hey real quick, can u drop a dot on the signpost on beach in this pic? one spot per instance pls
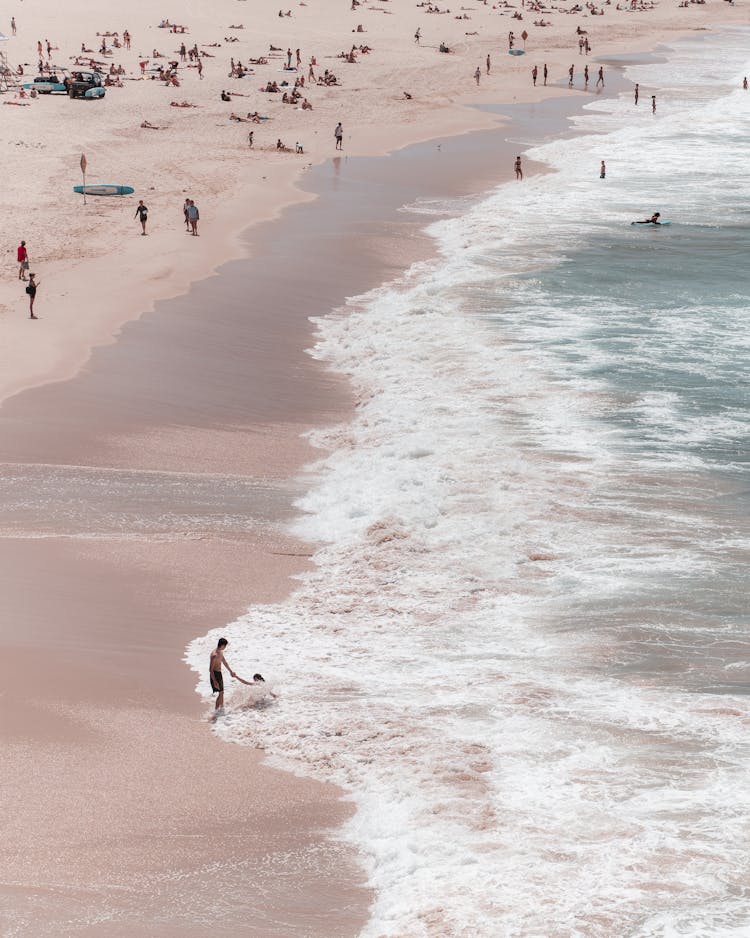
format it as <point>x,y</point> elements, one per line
<point>83,172</point>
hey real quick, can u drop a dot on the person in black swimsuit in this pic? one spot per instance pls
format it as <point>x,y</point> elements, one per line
<point>141,213</point>
<point>31,291</point>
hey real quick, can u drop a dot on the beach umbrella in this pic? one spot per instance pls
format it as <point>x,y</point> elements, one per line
<point>524,36</point>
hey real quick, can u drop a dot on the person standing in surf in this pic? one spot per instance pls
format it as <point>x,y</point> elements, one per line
<point>603,171</point>
<point>517,168</point>
<point>215,664</point>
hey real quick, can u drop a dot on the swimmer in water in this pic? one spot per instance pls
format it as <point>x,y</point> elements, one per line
<point>654,220</point>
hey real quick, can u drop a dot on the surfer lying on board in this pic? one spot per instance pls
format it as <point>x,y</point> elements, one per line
<point>654,220</point>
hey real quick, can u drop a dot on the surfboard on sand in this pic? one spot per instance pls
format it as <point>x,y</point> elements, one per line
<point>104,189</point>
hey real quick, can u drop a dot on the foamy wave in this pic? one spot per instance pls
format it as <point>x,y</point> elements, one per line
<point>489,655</point>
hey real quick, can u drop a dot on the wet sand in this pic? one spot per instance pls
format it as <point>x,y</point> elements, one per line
<point>144,504</point>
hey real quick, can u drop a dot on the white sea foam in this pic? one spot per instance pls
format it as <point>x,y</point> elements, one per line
<point>483,656</point>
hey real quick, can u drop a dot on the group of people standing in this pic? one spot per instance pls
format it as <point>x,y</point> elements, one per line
<point>32,284</point>
<point>189,211</point>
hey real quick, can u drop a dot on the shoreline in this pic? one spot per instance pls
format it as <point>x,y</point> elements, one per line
<point>329,642</point>
<point>167,272</point>
<point>100,457</point>
<point>165,456</point>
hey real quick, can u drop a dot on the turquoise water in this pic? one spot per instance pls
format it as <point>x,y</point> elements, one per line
<point>524,648</point>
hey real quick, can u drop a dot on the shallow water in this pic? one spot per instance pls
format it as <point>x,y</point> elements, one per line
<point>524,646</point>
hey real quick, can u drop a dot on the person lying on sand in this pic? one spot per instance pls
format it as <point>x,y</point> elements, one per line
<point>147,125</point>
<point>236,117</point>
<point>182,104</point>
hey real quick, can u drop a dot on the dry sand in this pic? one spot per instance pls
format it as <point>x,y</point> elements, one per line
<point>144,500</point>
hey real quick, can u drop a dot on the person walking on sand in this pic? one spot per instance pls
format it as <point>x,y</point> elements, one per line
<point>488,63</point>
<point>200,69</point>
<point>13,25</point>
<point>517,168</point>
<point>185,207</point>
<point>339,135</point>
<point>600,79</point>
<point>603,171</point>
<point>477,75</point>
<point>417,35</point>
<point>141,213</point>
<point>31,291</point>
<point>534,73</point>
<point>193,217</point>
<point>636,93</point>
<point>544,73</point>
<point>744,83</point>
<point>23,260</point>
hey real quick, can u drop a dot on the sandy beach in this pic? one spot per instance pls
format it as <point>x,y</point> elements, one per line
<point>152,418</point>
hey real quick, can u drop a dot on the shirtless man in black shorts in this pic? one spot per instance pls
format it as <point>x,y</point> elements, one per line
<point>216,660</point>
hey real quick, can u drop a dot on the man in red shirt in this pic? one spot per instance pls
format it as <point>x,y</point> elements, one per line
<point>23,261</point>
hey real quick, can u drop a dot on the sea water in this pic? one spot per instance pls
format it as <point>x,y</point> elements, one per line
<point>523,651</point>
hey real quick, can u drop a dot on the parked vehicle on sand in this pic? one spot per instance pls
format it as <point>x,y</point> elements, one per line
<point>85,85</point>
<point>48,84</point>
